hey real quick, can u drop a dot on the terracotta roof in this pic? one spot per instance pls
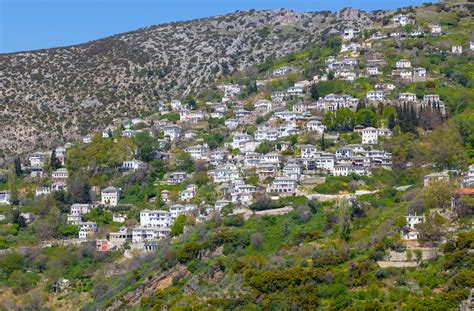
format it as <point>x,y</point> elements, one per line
<point>465,191</point>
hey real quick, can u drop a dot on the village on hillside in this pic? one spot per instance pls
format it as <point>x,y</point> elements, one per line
<point>264,142</point>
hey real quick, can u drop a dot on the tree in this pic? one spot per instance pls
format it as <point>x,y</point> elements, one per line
<point>146,146</point>
<point>264,147</point>
<point>366,117</point>
<point>329,120</point>
<point>54,161</point>
<point>262,203</point>
<point>177,227</point>
<point>79,188</point>
<point>184,162</point>
<point>314,92</point>
<point>192,104</point>
<point>438,193</point>
<point>432,230</point>
<point>18,219</point>
<point>322,143</point>
<point>214,140</point>
<point>346,231</point>
<point>446,147</point>
<point>215,122</point>
<point>17,164</point>
<point>345,119</point>
<point>391,121</point>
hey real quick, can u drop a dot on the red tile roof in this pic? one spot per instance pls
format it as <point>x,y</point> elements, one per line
<point>465,191</point>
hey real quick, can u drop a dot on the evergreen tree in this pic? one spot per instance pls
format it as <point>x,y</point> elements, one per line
<point>360,105</point>
<point>54,161</point>
<point>252,88</point>
<point>18,170</point>
<point>367,121</point>
<point>18,219</point>
<point>322,143</point>
<point>314,92</point>
<point>391,122</point>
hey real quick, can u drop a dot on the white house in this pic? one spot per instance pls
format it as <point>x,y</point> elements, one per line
<point>172,132</point>
<point>134,165</point>
<point>376,95</point>
<point>295,91</point>
<point>37,159</point>
<point>370,135</point>
<point>282,185</point>
<point>293,171</point>
<point>155,218</point>
<point>4,197</point>
<point>315,125</point>
<point>147,234</point>
<point>263,105</point>
<point>178,209</point>
<point>188,193</point>
<point>373,71</point>
<point>456,49</point>
<point>412,232</point>
<point>197,152</point>
<point>401,19</point>
<point>231,123</point>
<point>87,229</point>
<point>221,203</point>
<point>469,179</point>
<point>403,64</point>
<point>176,105</point>
<point>419,72</point>
<point>407,97</point>
<point>87,139</point>
<point>349,150</point>
<point>342,170</point>
<point>74,219</point>
<point>435,29</point>
<point>230,90</point>
<point>308,151</point>
<point>80,209</point>
<point>278,97</point>
<point>282,71</point>
<point>350,33</point>
<point>175,178</point>
<point>110,196</point>
<point>42,191</point>
<point>271,158</point>
<point>120,218</point>
<point>225,174</point>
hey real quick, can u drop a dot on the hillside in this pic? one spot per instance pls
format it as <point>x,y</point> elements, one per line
<point>52,94</point>
<point>328,166</point>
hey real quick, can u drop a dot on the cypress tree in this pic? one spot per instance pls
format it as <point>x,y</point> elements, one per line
<point>391,121</point>
<point>18,170</point>
<point>314,92</point>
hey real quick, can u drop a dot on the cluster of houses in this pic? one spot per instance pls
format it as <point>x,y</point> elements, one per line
<point>233,166</point>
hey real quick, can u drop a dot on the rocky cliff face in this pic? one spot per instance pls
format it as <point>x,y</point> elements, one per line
<point>48,96</point>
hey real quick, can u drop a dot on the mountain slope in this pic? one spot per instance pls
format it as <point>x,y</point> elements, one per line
<point>50,95</point>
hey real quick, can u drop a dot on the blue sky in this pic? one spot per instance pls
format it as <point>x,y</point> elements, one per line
<point>37,24</point>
